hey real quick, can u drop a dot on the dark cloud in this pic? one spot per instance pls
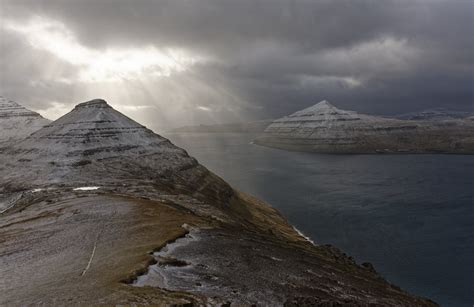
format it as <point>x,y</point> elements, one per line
<point>268,58</point>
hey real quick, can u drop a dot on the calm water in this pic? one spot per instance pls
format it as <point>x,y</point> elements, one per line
<point>411,216</point>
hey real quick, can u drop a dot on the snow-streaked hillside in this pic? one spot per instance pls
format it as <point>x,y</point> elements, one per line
<point>17,122</point>
<point>325,128</point>
<point>95,145</point>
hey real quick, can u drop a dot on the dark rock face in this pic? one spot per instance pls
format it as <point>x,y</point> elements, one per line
<point>17,122</point>
<point>326,129</point>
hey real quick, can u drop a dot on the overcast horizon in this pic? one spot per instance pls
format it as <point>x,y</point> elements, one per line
<point>177,62</point>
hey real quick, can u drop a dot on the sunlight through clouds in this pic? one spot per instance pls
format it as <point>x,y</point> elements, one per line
<point>203,108</point>
<point>109,65</point>
<point>55,110</point>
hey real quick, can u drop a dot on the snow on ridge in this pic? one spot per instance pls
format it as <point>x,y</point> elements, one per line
<point>86,189</point>
<point>318,113</point>
<point>92,132</point>
<point>304,236</point>
<point>10,108</point>
<point>17,122</point>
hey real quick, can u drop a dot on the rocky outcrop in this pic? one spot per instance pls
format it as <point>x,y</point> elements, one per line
<point>17,122</point>
<point>326,129</point>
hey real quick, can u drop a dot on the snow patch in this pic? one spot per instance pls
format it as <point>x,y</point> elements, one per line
<point>304,236</point>
<point>86,189</point>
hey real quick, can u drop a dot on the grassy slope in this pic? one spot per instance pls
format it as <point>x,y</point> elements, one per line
<point>46,247</point>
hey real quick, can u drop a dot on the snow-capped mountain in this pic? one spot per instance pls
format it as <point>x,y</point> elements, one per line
<point>96,145</point>
<point>325,128</point>
<point>17,122</point>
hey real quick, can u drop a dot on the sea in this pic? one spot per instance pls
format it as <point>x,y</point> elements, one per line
<point>411,216</point>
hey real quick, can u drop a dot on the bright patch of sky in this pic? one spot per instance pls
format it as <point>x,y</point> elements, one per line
<point>111,64</point>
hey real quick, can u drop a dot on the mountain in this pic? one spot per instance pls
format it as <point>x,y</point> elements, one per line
<point>326,129</point>
<point>97,209</point>
<point>245,127</point>
<point>93,133</point>
<point>17,122</point>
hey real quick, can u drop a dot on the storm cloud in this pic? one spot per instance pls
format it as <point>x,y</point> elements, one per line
<point>179,62</point>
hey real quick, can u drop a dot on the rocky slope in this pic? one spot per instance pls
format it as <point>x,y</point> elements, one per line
<point>97,209</point>
<point>326,129</point>
<point>17,122</point>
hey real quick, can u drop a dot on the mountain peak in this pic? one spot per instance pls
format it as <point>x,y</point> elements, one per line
<point>17,122</point>
<point>94,124</point>
<point>95,136</point>
<point>96,145</point>
<point>9,108</point>
<point>321,108</point>
<point>94,103</point>
<point>324,104</point>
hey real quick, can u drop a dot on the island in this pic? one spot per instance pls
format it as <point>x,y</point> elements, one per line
<point>323,128</point>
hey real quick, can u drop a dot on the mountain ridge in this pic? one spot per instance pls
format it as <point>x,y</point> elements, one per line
<point>17,122</point>
<point>326,129</point>
<point>94,139</point>
<point>434,114</point>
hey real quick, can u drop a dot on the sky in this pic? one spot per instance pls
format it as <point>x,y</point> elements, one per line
<point>184,62</point>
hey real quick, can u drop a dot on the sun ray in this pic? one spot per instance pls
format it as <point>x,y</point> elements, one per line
<point>111,64</point>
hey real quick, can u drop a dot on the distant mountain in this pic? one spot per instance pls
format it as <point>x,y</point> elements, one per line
<point>96,208</point>
<point>434,114</point>
<point>245,127</point>
<point>327,129</point>
<point>17,122</point>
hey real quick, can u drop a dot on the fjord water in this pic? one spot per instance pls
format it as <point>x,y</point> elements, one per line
<point>411,216</point>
